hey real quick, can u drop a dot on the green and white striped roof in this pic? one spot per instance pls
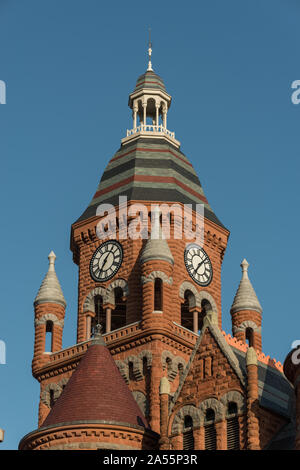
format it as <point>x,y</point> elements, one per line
<point>150,170</point>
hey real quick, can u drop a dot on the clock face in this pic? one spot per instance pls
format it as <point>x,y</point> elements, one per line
<point>198,265</point>
<point>106,261</point>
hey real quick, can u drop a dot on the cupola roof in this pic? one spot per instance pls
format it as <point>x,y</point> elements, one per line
<point>245,297</point>
<point>50,290</point>
<point>156,247</point>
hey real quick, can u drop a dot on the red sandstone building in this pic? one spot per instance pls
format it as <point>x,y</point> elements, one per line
<point>162,374</point>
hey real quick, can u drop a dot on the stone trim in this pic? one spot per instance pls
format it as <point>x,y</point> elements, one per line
<point>198,296</point>
<point>173,365</point>
<point>247,324</point>
<point>49,317</point>
<point>236,397</point>
<point>110,297</point>
<point>157,274</point>
<point>106,293</point>
<point>178,422</point>
<point>45,394</point>
<point>216,406</point>
<point>142,401</point>
<point>89,304</point>
<point>137,362</point>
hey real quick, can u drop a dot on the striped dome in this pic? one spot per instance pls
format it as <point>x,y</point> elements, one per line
<point>150,170</point>
<point>149,79</point>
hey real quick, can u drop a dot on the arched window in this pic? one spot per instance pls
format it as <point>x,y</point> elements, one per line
<point>188,436</point>
<point>118,315</point>
<point>249,336</point>
<point>210,430</point>
<point>99,314</point>
<point>233,428</point>
<point>49,336</point>
<point>158,288</point>
<point>186,315</point>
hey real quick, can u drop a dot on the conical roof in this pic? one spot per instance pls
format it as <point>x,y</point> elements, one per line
<point>245,297</point>
<point>150,170</point>
<point>50,290</point>
<point>96,392</point>
<point>156,247</point>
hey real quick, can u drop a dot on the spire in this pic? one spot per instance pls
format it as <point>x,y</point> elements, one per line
<point>245,298</point>
<point>156,247</point>
<point>96,392</point>
<point>50,290</point>
<point>149,69</point>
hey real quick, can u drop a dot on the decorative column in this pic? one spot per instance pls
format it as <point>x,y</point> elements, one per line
<point>164,391</point>
<point>108,319</point>
<point>144,113</point>
<point>157,115</point>
<point>165,117</point>
<point>135,110</point>
<point>252,401</point>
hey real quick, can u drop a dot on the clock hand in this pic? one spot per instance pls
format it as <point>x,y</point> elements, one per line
<point>200,264</point>
<point>104,262</point>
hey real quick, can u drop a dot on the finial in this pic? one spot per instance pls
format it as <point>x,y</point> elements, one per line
<point>149,69</point>
<point>97,337</point>
<point>245,265</point>
<point>51,258</point>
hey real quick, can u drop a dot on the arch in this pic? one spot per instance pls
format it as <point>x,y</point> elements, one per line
<point>89,304</point>
<point>142,401</point>
<point>49,317</point>
<point>215,405</point>
<point>148,355</point>
<point>109,298</point>
<point>178,421</point>
<point>124,370</point>
<point>188,286</point>
<point>199,295</point>
<point>236,397</point>
<point>137,367</point>
<point>157,274</point>
<point>247,324</point>
<point>172,363</point>
<point>63,382</point>
<point>46,395</point>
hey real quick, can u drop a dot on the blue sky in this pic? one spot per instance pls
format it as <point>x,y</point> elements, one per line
<point>69,67</point>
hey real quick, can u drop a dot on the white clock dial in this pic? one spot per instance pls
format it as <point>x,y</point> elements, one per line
<point>198,265</point>
<point>106,261</point>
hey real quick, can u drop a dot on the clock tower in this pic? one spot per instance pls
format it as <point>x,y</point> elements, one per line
<point>154,291</point>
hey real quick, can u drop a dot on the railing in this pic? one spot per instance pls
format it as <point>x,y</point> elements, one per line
<point>150,128</point>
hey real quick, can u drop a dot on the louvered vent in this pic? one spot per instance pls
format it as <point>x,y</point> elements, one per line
<point>210,437</point>
<point>188,440</point>
<point>233,434</point>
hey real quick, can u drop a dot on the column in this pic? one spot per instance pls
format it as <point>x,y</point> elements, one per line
<point>252,401</point>
<point>88,326</point>
<point>108,320</point>
<point>195,322</point>
<point>157,114</point>
<point>164,391</point>
<point>144,113</point>
<point>135,110</point>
